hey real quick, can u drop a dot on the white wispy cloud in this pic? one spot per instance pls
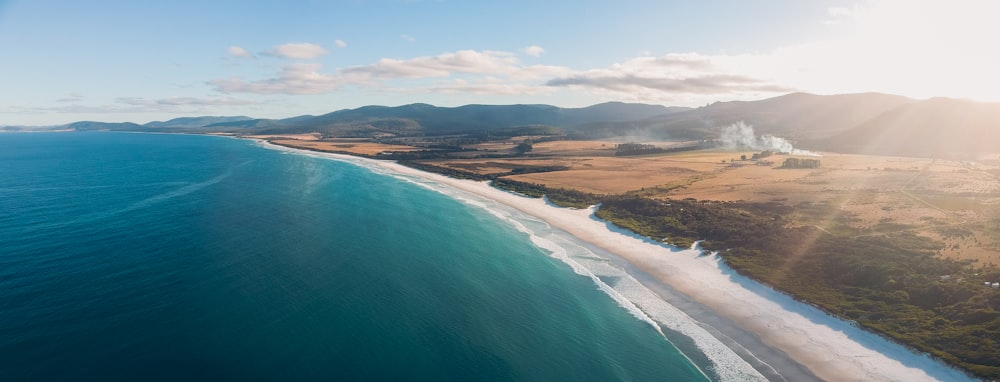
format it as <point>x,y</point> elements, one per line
<point>301,50</point>
<point>237,51</point>
<point>839,11</point>
<point>407,38</point>
<point>294,79</point>
<point>73,97</point>
<point>671,76</point>
<point>172,102</point>
<point>79,109</point>
<point>488,86</point>
<point>443,65</point>
<point>137,105</point>
<point>340,43</point>
<point>480,71</point>
<point>534,51</point>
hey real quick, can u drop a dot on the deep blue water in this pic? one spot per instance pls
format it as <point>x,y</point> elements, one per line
<point>172,257</point>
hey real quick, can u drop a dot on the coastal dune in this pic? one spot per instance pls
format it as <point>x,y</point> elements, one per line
<point>793,332</point>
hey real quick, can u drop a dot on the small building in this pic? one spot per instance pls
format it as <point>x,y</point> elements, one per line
<point>945,277</point>
<point>995,285</point>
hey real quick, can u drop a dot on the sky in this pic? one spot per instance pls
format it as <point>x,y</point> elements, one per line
<point>66,60</point>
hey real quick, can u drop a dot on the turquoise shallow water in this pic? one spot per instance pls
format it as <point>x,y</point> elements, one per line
<point>170,257</point>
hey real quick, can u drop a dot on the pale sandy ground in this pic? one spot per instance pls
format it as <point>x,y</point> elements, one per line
<point>829,348</point>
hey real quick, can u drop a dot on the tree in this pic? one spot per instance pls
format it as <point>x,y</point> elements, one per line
<point>523,147</point>
<point>800,163</point>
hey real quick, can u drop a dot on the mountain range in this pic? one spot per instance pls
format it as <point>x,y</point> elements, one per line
<point>871,123</point>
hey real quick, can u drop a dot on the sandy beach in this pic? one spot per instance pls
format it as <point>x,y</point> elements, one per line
<point>796,340</point>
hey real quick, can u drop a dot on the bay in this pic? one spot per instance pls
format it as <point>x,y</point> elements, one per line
<point>166,257</point>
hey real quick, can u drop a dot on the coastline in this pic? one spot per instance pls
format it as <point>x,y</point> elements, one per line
<point>762,320</point>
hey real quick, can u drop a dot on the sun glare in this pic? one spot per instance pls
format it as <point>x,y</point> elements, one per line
<point>918,49</point>
<point>932,48</point>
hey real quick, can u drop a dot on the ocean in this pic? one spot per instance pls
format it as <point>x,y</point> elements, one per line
<point>177,257</point>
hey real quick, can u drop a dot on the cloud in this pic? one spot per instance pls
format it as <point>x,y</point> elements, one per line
<point>140,105</point>
<point>648,79</point>
<point>491,63</point>
<point>707,84</point>
<point>297,51</point>
<point>839,11</point>
<point>491,86</point>
<point>407,38</point>
<point>485,69</point>
<point>182,101</point>
<point>236,51</point>
<point>78,109</point>
<point>443,65</point>
<point>534,51</point>
<point>687,74</point>
<point>340,43</point>
<point>294,79</point>
<point>73,97</point>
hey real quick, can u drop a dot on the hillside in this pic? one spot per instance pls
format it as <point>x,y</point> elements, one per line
<point>870,123</point>
<point>424,119</point>
<point>193,122</point>
<point>798,116</point>
<point>938,127</point>
<point>102,126</point>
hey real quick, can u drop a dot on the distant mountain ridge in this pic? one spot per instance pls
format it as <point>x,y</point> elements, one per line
<point>937,127</point>
<point>798,116</point>
<point>433,120</point>
<point>872,123</point>
<point>194,122</point>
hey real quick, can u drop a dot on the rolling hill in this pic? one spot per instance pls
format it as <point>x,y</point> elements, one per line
<point>424,119</point>
<point>798,116</point>
<point>871,123</point>
<point>194,122</point>
<point>938,127</point>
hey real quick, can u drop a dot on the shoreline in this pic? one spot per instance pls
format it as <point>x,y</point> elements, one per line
<point>802,341</point>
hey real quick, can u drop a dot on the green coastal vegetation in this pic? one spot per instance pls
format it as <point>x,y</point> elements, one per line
<point>891,284</point>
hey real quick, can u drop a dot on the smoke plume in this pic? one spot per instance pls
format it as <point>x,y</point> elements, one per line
<point>741,136</point>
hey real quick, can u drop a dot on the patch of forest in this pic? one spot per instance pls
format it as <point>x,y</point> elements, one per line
<point>559,196</point>
<point>513,169</point>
